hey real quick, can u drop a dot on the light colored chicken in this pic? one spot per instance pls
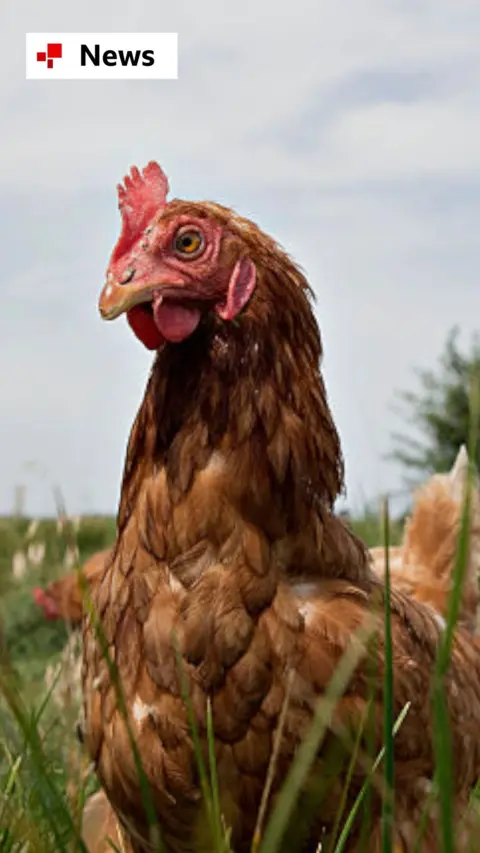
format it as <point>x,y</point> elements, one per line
<point>99,825</point>
<point>423,565</point>
<point>227,545</point>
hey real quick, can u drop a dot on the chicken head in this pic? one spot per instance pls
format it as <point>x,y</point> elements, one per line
<point>174,262</point>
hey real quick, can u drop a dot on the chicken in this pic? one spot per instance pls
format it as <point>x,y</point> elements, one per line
<point>99,825</point>
<point>228,549</point>
<point>423,565</point>
<point>63,599</point>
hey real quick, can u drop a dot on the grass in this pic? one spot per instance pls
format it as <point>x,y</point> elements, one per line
<point>44,777</point>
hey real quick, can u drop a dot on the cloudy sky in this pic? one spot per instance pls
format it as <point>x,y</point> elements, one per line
<point>349,129</point>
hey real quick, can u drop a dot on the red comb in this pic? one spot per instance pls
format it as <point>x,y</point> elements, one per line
<point>38,595</point>
<point>48,605</point>
<point>140,197</point>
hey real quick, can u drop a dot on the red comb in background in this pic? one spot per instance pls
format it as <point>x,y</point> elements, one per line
<point>38,595</point>
<point>50,610</point>
<point>140,197</point>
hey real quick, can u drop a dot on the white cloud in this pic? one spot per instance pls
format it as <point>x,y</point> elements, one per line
<point>301,122</point>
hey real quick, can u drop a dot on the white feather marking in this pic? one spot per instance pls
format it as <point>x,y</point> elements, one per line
<point>216,463</point>
<point>424,785</point>
<point>305,591</point>
<point>141,711</point>
<point>174,584</point>
<point>307,609</point>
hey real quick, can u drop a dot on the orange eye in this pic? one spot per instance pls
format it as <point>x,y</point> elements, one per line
<point>188,242</point>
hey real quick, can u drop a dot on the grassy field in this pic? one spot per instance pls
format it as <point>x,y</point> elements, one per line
<point>40,759</point>
<point>31,641</point>
<point>43,773</point>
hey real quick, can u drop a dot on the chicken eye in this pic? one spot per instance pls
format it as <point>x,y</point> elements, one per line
<point>188,242</point>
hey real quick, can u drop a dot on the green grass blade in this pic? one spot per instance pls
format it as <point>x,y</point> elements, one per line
<point>9,786</point>
<point>366,785</point>
<point>216,808</point>
<point>54,805</point>
<point>442,733</point>
<point>348,779</point>
<point>214,817</point>
<point>388,699</point>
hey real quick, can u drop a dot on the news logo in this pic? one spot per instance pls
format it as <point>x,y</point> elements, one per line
<point>102,56</point>
<point>53,51</point>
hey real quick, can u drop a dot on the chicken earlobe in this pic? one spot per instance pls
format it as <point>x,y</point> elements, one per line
<point>240,288</point>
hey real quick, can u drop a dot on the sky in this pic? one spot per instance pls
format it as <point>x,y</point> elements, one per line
<point>348,129</point>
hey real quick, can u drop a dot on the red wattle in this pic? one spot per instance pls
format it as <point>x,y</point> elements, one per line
<point>143,325</point>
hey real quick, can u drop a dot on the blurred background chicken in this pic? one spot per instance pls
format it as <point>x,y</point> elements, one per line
<point>227,544</point>
<point>424,563</point>
<point>63,598</point>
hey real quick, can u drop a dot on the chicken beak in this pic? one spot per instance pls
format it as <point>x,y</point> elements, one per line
<point>115,299</point>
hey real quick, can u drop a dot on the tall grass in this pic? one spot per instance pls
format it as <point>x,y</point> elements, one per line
<point>388,701</point>
<point>443,779</point>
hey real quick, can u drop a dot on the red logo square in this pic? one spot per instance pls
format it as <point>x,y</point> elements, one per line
<point>54,51</point>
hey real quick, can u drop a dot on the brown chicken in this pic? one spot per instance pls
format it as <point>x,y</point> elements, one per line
<point>423,565</point>
<point>228,547</point>
<point>63,599</point>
